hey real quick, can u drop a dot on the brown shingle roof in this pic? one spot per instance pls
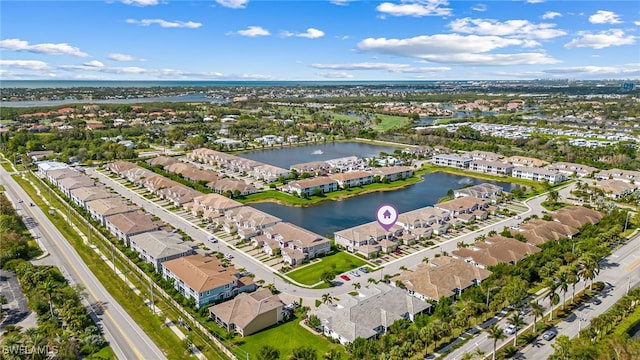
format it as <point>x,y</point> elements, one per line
<point>201,272</point>
<point>577,216</point>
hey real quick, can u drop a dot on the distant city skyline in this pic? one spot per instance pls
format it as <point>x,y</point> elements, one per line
<point>341,40</point>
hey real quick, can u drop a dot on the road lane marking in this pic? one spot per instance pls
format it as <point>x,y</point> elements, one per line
<point>633,264</point>
<point>85,282</point>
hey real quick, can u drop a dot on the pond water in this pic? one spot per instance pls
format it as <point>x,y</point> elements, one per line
<point>287,156</point>
<point>328,217</point>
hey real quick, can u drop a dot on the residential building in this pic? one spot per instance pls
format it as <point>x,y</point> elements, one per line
<point>482,191</point>
<point>538,232</point>
<point>491,167</point>
<point>352,179</point>
<point>295,243</point>
<point>232,186</point>
<point>119,167</point>
<point>525,161</point>
<point>483,155</point>
<point>441,277</point>
<point>246,221</point>
<point>617,174</point>
<point>307,187</point>
<point>577,216</point>
<point>205,279</point>
<point>571,169</point>
<point>162,161</point>
<point>82,195</point>
<point>156,247</point>
<point>495,250</point>
<point>55,175</point>
<point>365,239</point>
<point>100,209</point>
<point>538,174</point>
<point>463,205</point>
<point>249,313</point>
<point>393,173</point>
<point>212,206</point>
<point>315,168</point>
<point>125,225</point>
<point>70,183</point>
<point>616,189</point>
<point>424,222</point>
<point>269,173</point>
<point>451,160</point>
<point>45,166</point>
<point>368,314</point>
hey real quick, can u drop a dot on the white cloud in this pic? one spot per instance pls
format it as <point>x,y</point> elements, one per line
<point>456,49</point>
<point>94,63</point>
<point>390,67</point>
<point>619,71</point>
<point>515,28</point>
<point>122,57</point>
<point>341,2</point>
<point>535,1</point>
<point>416,8</point>
<point>24,64</point>
<point>140,2</point>
<point>253,31</point>
<point>311,33</point>
<point>44,48</point>
<point>605,17</point>
<point>551,15</point>
<point>165,23</point>
<point>601,40</point>
<point>335,75</point>
<point>233,4</point>
<point>636,23</point>
<point>479,7</point>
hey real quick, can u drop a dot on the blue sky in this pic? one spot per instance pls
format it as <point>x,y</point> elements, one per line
<point>319,40</point>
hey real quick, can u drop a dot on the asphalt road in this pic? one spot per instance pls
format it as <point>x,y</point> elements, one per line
<point>126,338</point>
<point>621,269</point>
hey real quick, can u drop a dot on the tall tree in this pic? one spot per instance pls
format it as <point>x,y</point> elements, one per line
<point>517,321</point>
<point>268,352</point>
<point>496,334</point>
<point>537,311</point>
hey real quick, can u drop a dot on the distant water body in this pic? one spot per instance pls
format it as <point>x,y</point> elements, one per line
<point>40,84</point>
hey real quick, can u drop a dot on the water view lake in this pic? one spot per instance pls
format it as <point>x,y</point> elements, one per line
<point>331,216</point>
<point>288,156</point>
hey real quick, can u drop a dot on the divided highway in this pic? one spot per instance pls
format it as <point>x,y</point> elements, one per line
<point>126,338</point>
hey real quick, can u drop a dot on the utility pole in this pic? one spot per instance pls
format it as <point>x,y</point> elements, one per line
<point>113,259</point>
<point>153,305</point>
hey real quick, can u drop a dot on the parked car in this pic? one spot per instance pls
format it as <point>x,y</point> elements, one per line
<point>510,329</point>
<point>518,217</point>
<point>549,334</point>
<point>596,301</point>
<point>397,251</point>
<point>354,273</point>
<point>213,239</point>
<point>344,277</point>
<point>229,256</point>
<point>364,270</point>
<point>19,201</point>
<point>525,310</point>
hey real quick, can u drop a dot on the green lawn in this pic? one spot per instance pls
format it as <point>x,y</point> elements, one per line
<point>338,262</point>
<point>285,338</point>
<point>390,122</point>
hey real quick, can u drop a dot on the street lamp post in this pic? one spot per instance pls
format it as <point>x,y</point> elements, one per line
<point>626,221</point>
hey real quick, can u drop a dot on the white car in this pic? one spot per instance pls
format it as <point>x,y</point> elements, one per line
<point>354,273</point>
<point>510,329</point>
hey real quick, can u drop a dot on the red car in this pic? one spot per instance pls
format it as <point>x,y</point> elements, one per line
<point>398,251</point>
<point>344,277</point>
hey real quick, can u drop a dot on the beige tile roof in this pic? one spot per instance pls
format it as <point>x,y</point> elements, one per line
<point>110,206</point>
<point>422,216</point>
<point>462,203</point>
<point>540,231</point>
<point>216,201</point>
<point>132,223</point>
<point>201,272</point>
<point>495,250</point>
<point>162,161</point>
<point>441,276</point>
<point>390,170</point>
<point>247,214</point>
<point>119,167</point>
<point>577,216</point>
<point>616,187</point>
<point>350,175</point>
<point>89,193</point>
<point>311,182</point>
<point>245,307</point>
<point>291,233</point>
<point>63,173</point>
<point>76,182</point>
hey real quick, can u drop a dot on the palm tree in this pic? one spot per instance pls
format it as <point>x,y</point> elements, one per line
<point>356,286</point>
<point>537,310</point>
<point>552,286</point>
<point>327,298</point>
<point>517,321</point>
<point>496,334</point>
<point>49,289</point>
<point>479,353</point>
<point>552,197</point>
<point>573,278</point>
<point>563,284</point>
<point>589,268</point>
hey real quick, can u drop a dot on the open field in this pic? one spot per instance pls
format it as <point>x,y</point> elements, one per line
<point>339,262</point>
